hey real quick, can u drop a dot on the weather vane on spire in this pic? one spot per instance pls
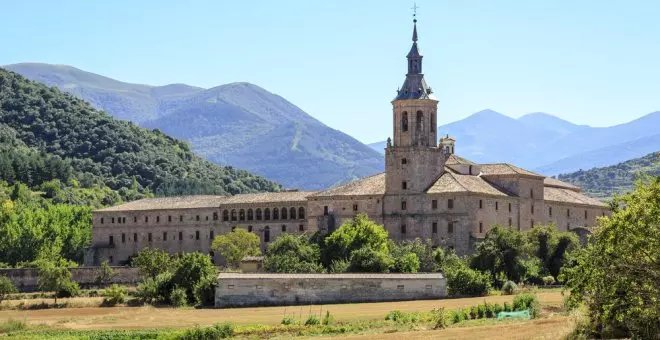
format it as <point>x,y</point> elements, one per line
<point>414,8</point>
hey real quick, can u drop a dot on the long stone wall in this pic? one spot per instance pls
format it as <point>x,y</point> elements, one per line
<point>241,290</point>
<point>26,279</point>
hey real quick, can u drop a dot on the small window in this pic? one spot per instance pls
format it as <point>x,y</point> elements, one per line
<point>180,218</point>
<point>230,286</point>
<point>157,219</point>
<point>404,161</point>
<point>123,238</point>
<point>276,214</point>
<point>434,204</point>
<point>134,219</point>
<point>550,211</point>
<point>266,214</point>
<point>404,185</point>
<point>403,228</point>
<point>258,213</point>
<point>215,216</point>
<point>206,218</point>
<point>146,219</point>
<point>241,215</point>
<point>112,220</point>
<point>481,204</point>
<point>325,210</point>
<point>510,222</point>
<point>355,207</point>
<point>428,287</point>
<point>532,209</point>
<point>165,236</point>
<point>211,234</point>
<point>225,215</point>
<point>249,228</point>
<point>181,236</point>
<point>434,227</point>
<point>403,205</point>
<point>301,228</point>
<point>101,220</point>
<point>111,259</point>
<point>301,213</point>
<point>531,193</point>
<point>197,218</point>
<point>266,234</point>
<point>134,237</point>
<point>169,218</point>
<point>399,287</point>
<point>497,205</point>
<point>585,215</point>
<point>568,212</point>
<point>531,224</point>
<point>283,228</point>
<point>450,227</point>
<point>197,235</point>
<point>404,121</point>
<point>509,207</point>
<point>111,240</point>
<point>150,237</point>
<point>481,227</point>
<point>450,203</point>
<point>250,215</point>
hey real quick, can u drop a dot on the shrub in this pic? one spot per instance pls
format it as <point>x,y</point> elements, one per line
<point>497,308</point>
<point>467,282</point>
<point>287,320</point>
<point>6,287</point>
<point>481,311</point>
<point>189,269</point>
<point>527,301</point>
<point>217,331</point>
<point>178,297</point>
<point>204,291</point>
<point>11,325</point>
<point>147,291</point>
<point>490,310</point>
<point>548,280</point>
<point>509,288</point>
<point>312,320</point>
<point>68,289</point>
<point>328,319</point>
<point>474,312</point>
<point>507,307</point>
<point>339,266</point>
<point>114,295</point>
<point>466,314</point>
<point>457,316</point>
<point>439,318</point>
<point>394,315</point>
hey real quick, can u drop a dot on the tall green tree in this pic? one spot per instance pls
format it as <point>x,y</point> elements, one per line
<point>291,253</point>
<point>617,274</point>
<point>236,245</point>
<point>151,262</point>
<point>355,234</point>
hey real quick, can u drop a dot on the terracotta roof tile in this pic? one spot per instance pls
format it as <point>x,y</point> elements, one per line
<point>455,159</point>
<point>551,182</point>
<point>562,195</point>
<point>455,183</point>
<point>372,185</point>
<point>499,169</point>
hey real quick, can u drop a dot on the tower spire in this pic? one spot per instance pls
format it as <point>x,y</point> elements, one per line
<point>414,87</point>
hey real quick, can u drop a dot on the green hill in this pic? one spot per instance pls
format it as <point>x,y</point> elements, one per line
<point>59,136</point>
<point>619,178</point>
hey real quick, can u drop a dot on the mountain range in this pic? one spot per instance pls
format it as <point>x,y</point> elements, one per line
<point>238,124</point>
<point>247,127</point>
<point>547,144</point>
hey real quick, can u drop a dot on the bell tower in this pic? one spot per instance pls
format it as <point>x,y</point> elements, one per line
<point>412,158</point>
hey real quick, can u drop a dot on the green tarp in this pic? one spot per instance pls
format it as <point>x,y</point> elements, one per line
<point>524,314</point>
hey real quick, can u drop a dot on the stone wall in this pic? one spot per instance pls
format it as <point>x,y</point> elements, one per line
<point>26,279</point>
<point>241,290</point>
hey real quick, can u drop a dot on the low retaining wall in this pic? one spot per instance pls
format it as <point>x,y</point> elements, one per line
<point>262,289</point>
<point>25,279</point>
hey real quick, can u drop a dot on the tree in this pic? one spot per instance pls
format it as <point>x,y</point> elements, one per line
<point>151,262</point>
<point>236,245</point>
<point>617,274</point>
<point>356,234</point>
<point>501,252</point>
<point>405,260</point>
<point>6,287</point>
<point>55,276</point>
<point>550,246</point>
<point>371,260</point>
<point>104,273</point>
<point>291,253</point>
<point>191,268</point>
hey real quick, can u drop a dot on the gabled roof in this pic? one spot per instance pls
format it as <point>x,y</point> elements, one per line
<point>551,182</point>
<point>562,195</point>
<point>505,169</point>
<point>372,185</point>
<point>454,183</point>
<point>455,159</point>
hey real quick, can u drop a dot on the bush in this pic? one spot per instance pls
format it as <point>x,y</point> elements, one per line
<point>287,320</point>
<point>6,287</point>
<point>474,312</point>
<point>204,291</point>
<point>527,301</point>
<point>114,295</point>
<point>328,319</point>
<point>217,331</point>
<point>490,310</point>
<point>466,314</point>
<point>457,316</point>
<point>189,269</point>
<point>497,308</point>
<point>509,288</point>
<point>339,266</point>
<point>68,289</point>
<point>147,291</point>
<point>467,282</point>
<point>178,297</point>
<point>548,280</point>
<point>507,307</point>
<point>394,315</point>
<point>439,317</point>
<point>312,320</point>
<point>481,311</point>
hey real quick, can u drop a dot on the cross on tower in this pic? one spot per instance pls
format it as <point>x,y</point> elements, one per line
<point>414,8</point>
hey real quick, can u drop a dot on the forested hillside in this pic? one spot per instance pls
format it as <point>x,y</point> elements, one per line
<point>607,181</point>
<point>62,129</point>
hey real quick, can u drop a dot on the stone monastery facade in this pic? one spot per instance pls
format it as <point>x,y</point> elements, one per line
<point>426,191</point>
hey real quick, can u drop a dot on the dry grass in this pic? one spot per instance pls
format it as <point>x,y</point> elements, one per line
<point>152,317</point>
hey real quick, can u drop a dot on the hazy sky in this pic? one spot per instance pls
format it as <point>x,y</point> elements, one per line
<point>591,62</point>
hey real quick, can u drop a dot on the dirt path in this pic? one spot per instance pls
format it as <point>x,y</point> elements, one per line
<point>151,317</point>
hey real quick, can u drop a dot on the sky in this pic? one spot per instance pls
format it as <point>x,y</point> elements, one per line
<point>594,62</point>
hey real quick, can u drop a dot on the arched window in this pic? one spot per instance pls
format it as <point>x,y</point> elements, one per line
<point>241,215</point>
<point>215,216</point>
<point>225,215</point>
<point>233,214</point>
<point>266,214</point>
<point>404,121</point>
<point>276,214</point>
<point>267,232</point>
<point>250,215</point>
<point>419,126</point>
<point>258,214</point>
<point>284,213</point>
<point>292,213</point>
<point>301,213</point>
